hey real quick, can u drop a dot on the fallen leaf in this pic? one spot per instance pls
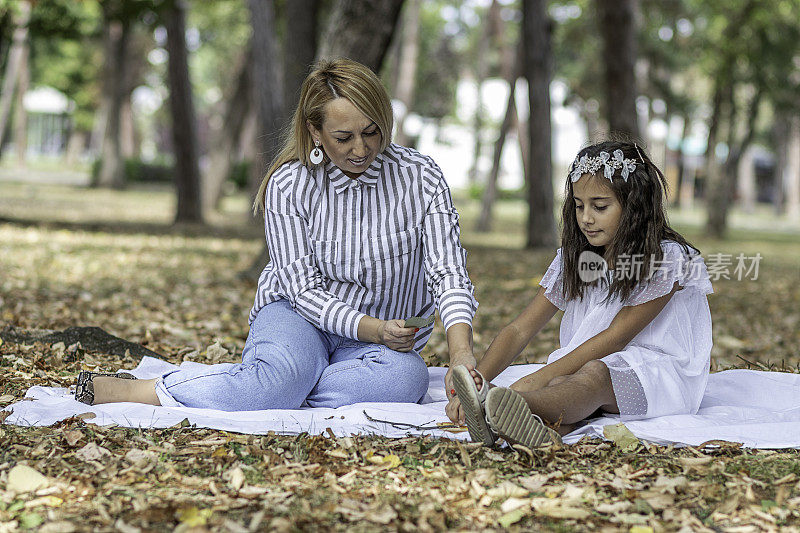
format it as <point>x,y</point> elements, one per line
<point>640,529</point>
<point>507,489</point>
<point>48,501</point>
<point>621,436</point>
<point>554,508</point>
<point>670,484</point>
<point>92,452</point>
<point>30,520</point>
<point>384,515</point>
<point>194,517</point>
<point>216,352</point>
<point>72,437</point>
<point>515,503</point>
<point>511,517</point>
<point>235,478</point>
<point>23,479</point>
<point>613,508</point>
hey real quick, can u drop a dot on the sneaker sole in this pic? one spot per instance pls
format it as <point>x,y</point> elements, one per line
<point>511,418</point>
<point>467,392</point>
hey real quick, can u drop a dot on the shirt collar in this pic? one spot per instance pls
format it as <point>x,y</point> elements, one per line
<point>341,181</point>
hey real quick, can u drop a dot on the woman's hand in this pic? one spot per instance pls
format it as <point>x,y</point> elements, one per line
<point>393,335</point>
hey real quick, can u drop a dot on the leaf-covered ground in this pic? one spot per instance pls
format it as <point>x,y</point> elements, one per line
<point>111,260</point>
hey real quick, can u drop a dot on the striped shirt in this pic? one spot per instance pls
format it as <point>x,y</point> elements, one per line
<point>385,244</point>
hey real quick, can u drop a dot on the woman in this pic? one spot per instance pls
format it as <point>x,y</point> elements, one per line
<point>362,234</point>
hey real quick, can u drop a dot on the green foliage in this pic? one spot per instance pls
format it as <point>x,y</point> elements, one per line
<point>437,69</point>
<point>138,171</point>
<point>476,192</point>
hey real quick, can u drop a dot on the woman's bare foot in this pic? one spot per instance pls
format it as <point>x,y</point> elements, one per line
<point>110,390</point>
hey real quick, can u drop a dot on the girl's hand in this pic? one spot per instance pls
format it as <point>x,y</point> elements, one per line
<point>454,411</point>
<point>453,408</point>
<point>393,335</point>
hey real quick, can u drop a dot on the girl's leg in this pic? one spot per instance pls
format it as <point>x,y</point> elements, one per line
<point>570,399</point>
<point>362,372</point>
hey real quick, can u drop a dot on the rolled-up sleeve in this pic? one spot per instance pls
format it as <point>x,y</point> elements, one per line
<point>298,277</point>
<point>445,259</point>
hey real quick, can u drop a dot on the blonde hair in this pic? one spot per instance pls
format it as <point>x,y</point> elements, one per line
<point>330,79</point>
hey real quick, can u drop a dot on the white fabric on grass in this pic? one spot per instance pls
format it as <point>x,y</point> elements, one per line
<point>758,409</point>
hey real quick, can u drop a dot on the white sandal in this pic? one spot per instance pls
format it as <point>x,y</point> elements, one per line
<point>508,414</point>
<point>472,401</point>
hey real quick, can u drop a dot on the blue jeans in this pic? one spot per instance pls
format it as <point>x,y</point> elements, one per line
<point>287,361</point>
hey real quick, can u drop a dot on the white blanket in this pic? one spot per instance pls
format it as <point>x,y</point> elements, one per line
<point>757,409</point>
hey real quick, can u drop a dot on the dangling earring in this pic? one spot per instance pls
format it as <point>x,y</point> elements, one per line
<point>316,154</point>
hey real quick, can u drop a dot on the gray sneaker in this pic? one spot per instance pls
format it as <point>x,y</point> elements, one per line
<point>509,416</point>
<point>472,401</point>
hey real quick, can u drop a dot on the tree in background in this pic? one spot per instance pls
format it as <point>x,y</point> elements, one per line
<point>617,25</point>
<point>17,61</point>
<point>184,128</point>
<point>360,30</point>
<point>537,66</point>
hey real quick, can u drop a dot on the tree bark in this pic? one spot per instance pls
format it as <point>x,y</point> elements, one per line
<point>361,30</point>
<point>266,87</point>
<point>112,170</point>
<point>791,178</point>
<point>299,49</point>
<point>20,115</point>
<point>490,192</point>
<point>225,142</point>
<point>720,190</point>
<point>536,29</point>
<point>481,71</point>
<point>407,71</point>
<point>16,55</point>
<point>618,32</point>
<point>184,132</point>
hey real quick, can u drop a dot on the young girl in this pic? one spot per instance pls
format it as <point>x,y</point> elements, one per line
<point>636,331</point>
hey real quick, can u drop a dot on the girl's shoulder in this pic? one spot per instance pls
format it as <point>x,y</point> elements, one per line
<point>681,264</point>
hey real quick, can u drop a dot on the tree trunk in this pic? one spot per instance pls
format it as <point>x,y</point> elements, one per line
<point>361,30</point>
<point>266,88</point>
<point>224,147</point>
<point>618,31</point>
<point>681,164</point>
<point>746,182</point>
<point>127,130</point>
<point>407,72</point>
<point>780,137</point>
<point>481,71</point>
<point>299,48</point>
<point>184,132</point>
<point>76,143</point>
<point>112,170</point>
<point>720,190</point>
<point>16,55</point>
<point>536,30</point>
<point>792,174</point>
<point>20,115</point>
<point>509,120</point>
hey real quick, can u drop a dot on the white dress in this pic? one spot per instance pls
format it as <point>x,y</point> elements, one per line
<point>664,369</point>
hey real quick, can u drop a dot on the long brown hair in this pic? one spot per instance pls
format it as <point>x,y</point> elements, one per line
<point>330,79</point>
<point>642,226</point>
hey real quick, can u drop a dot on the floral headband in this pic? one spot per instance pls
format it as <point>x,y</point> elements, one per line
<point>590,165</point>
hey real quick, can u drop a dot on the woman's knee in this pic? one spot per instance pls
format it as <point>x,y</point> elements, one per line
<point>407,377</point>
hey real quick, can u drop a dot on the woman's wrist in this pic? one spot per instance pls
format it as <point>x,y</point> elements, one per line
<point>371,329</point>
